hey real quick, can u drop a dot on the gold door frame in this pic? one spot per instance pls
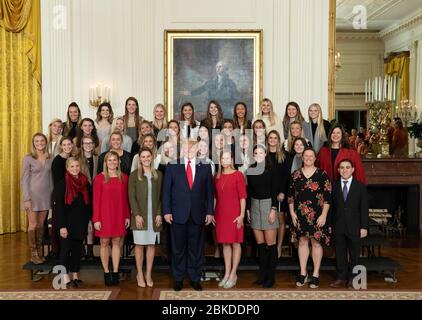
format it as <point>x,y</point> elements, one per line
<point>332,61</point>
<point>170,35</point>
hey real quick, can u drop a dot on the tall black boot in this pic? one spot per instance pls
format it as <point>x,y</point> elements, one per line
<point>262,260</point>
<point>90,252</point>
<point>271,266</point>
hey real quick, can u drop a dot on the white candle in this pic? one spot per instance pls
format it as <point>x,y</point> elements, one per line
<point>374,90</point>
<point>380,88</point>
<point>384,93</point>
<point>394,88</point>
<point>366,91</point>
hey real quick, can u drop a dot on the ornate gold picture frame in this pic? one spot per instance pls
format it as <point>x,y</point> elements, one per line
<point>204,65</point>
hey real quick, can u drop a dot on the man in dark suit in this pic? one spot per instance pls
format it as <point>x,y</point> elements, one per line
<point>188,203</point>
<point>350,222</point>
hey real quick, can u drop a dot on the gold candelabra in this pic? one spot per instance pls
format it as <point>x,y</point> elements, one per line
<point>378,113</point>
<point>99,95</point>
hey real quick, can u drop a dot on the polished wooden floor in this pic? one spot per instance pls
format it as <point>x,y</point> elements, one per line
<point>14,253</point>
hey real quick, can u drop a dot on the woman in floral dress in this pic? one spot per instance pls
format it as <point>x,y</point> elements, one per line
<point>309,199</point>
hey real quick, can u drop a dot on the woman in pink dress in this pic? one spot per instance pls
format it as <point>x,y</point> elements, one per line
<point>111,216</point>
<point>230,191</point>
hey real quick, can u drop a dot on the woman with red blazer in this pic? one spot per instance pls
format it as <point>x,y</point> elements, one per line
<point>336,150</point>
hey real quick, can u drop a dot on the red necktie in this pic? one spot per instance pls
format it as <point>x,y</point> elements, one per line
<point>189,175</point>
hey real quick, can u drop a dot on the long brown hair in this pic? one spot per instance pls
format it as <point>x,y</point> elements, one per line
<point>299,116</point>
<point>138,118</point>
<point>110,109</point>
<point>83,161</point>
<point>192,119</point>
<point>220,167</point>
<point>280,155</point>
<point>236,118</point>
<point>220,118</point>
<point>68,124</point>
<point>80,133</point>
<point>141,172</point>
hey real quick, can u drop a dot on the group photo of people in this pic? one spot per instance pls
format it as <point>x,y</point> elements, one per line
<point>241,187</point>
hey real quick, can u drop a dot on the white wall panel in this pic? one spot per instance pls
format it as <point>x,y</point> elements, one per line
<point>120,43</point>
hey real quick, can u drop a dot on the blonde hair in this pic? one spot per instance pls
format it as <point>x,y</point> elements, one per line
<point>320,121</point>
<point>34,153</point>
<point>155,123</point>
<point>72,159</point>
<point>105,168</point>
<point>220,167</point>
<point>280,156</point>
<point>113,124</point>
<point>50,134</point>
<point>141,172</point>
<point>272,114</point>
<point>290,138</point>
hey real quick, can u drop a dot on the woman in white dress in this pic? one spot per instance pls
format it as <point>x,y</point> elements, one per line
<point>144,197</point>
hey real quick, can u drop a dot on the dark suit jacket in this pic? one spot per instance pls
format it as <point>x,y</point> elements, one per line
<point>182,202</point>
<point>350,216</point>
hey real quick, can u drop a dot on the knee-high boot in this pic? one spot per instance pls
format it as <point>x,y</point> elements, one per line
<point>39,235</point>
<point>33,247</point>
<point>262,259</point>
<point>271,266</point>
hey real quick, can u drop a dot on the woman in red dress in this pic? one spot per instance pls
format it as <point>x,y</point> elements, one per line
<point>230,191</point>
<point>111,215</point>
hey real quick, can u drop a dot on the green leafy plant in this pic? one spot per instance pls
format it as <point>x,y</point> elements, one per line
<point>415,130</point>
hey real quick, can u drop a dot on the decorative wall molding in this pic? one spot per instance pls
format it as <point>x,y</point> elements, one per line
<point>357,36</point>
<point>408,23</point>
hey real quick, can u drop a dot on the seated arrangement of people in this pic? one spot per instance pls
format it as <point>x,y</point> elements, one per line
<point>111,176</point>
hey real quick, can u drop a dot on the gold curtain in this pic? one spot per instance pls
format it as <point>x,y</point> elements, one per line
<point>20,101</point>
<point>398,65</point>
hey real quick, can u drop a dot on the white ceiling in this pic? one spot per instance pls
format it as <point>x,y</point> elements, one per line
<point>381,13</point>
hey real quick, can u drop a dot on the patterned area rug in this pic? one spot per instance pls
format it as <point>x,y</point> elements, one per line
<point>289,295</point>
<point>59,295</point>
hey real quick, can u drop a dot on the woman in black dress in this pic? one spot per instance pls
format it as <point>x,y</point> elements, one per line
<point>73,118</point>
<point>262,191</point>
<point>280,161</point>
<point>309,200</point>
<point>72,198</point>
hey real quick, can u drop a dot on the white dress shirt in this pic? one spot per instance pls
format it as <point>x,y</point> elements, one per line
<point>349,182</point>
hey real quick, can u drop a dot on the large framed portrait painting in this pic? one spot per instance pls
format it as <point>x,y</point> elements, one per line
<point>204,65</point>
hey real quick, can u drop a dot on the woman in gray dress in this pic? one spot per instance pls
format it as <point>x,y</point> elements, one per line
<point>37,186</point>
<point>132,118</point>
<point>104,119</point>
<point>145,203</point>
